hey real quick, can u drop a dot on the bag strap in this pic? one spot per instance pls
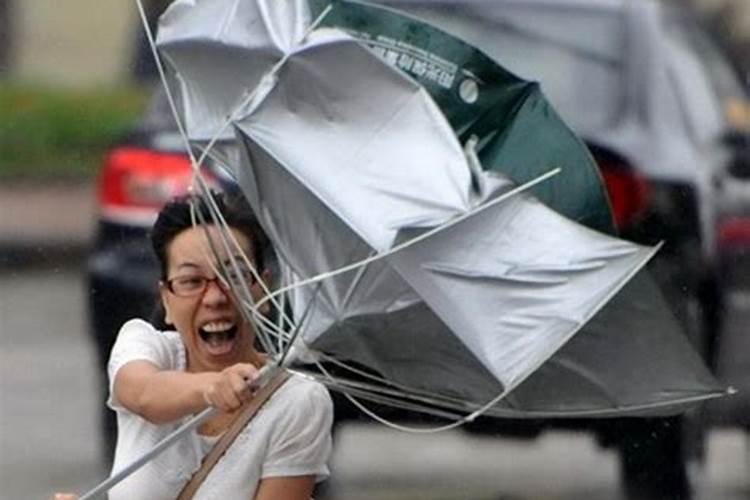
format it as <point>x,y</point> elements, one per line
<point>234,429</point>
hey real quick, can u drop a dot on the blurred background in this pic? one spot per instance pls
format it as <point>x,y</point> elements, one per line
<point>88,153</point>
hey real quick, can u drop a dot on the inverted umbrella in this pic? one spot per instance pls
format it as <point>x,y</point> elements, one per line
<point>457,291</point>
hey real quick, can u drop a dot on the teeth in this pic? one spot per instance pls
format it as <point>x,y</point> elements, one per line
<point>218,336</point>
<point>217,326</point>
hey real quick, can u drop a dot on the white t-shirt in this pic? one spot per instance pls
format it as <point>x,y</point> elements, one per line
<point>289,436</point>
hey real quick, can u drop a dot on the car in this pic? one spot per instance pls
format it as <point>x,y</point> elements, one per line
<point>734,225</point>
<point>621,73</point>
<point>733,179</point>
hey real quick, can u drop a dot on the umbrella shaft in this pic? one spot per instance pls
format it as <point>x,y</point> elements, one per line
<point>165,443</point>
<point>264,375</point>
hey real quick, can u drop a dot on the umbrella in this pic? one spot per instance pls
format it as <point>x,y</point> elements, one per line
<point>435,248</point>
<point>460,290</point>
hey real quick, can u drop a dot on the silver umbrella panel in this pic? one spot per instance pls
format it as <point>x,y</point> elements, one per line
<point>452,285</point>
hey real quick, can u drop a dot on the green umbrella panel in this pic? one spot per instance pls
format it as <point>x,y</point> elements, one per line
<point>518,132</point>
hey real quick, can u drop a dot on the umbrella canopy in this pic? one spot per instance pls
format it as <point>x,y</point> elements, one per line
<point>459,290</point>
<point>223,51</point>
<point>519,133</point>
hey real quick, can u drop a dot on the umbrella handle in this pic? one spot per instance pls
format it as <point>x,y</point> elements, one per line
<point>265,373</point>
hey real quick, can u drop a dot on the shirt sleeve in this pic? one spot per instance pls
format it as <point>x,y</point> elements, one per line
<point>300,443</point>
<point>139,341</point>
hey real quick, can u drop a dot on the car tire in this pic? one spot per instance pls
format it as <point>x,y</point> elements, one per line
<point>653,462</point>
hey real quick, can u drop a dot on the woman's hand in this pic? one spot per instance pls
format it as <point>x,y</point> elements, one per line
<point>162,396</point>
<point>230,388</point>
<point>65,496</point>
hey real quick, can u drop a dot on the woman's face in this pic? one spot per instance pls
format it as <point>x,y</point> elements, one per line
<point>212,328</point>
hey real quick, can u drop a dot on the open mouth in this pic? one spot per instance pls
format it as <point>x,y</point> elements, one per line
<point>218,336</point>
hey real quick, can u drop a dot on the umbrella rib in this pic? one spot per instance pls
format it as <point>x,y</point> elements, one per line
<point>253,102</point>
<point>263,337</point>
<point>264,376</point>
<point>357,279</point>
<point>247,97</point>
<point>196,167</point>
<point>344,269</point>
<point>399,389</point>
<point>243,290</point>
<point>247,299</point>
<point>617,411</point>
<point>405,392</point>
<point>384,381</point>
<point>370,376</point>
<point>392,401</point>
<point>196,164</point>
<point>266,328</point>
<point>419,430</point>
<point>298,326</point>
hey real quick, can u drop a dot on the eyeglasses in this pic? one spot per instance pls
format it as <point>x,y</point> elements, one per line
<point>195,284</point>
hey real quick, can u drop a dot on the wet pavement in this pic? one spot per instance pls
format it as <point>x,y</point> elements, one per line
<point>49,407</point>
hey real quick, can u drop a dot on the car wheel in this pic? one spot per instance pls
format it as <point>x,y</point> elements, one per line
<point>653,462</point>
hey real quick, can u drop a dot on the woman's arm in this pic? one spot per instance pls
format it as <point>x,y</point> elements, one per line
<point>162,396</point>
<point>285,488</point>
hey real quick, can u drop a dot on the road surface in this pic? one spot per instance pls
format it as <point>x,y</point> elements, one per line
<point>49,406</point>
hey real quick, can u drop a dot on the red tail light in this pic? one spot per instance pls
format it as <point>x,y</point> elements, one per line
<point>629,193</point>
<point>136,182</point>
<point>734,233</point>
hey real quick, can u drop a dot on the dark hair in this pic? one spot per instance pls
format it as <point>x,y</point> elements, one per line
<point>177,216</point>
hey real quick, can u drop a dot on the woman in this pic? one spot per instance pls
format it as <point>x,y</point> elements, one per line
<point>159,378</point>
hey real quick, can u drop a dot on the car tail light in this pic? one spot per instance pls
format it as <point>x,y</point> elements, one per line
<point>734,233</point>
<point>136,182</point>
<point>629,193</point>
